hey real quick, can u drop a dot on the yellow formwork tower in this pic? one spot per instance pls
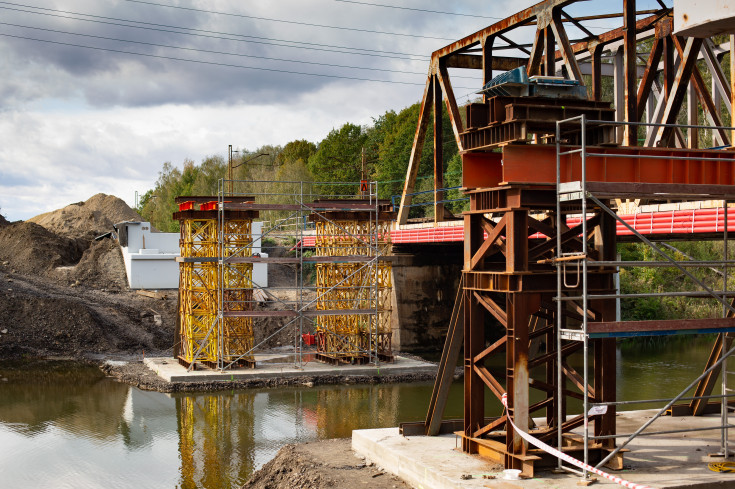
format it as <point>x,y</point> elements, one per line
<point>237,293</point>
<point>198,307</point>
<point>210,288</point>
<point>358,281</point>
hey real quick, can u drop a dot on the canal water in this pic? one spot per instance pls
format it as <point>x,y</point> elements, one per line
<point>69,426</point>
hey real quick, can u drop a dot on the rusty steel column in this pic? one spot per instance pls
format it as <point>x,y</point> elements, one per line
<point>438,152</point>
<point>474,341</point>
<point>732,82</point>
<point>516,376</point>
<point>631,88</point>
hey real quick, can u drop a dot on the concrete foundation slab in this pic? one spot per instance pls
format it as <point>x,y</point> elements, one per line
<point>270,366</point>
<point>660,461</point>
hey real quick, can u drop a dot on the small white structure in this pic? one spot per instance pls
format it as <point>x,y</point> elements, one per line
<point>704,18</point>
<point>150,257</point>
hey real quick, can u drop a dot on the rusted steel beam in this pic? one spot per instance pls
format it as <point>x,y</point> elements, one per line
<point>438,152</point>
<point>718,75</point>
<point>732,81</point>
<point>445,374</point>
<point>490,349</point>
<point>613,35</point>
<point>515,20</point>
<point>418,145</point>
<point>489,242</point>
<point>644,90</point>
<point>549,51</point>
<point>487,60</point>
<point>537,54</point>
<point>704,387</point>
<point>629,56</point>
<point>493,308</point>
<point>518,308</point>
<point>570,61</point>
<point>451,102</point>
<point>606,329</point>
<point>535,163</point>
<point>595,51</point>
<point>475,62</point>
<point>474,385</point>
<point>704,97</point>
<point>678,90</point>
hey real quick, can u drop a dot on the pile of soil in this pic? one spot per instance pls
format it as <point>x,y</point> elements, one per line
<point>40,318</point>
<point>3,221</point>
<point>62,293</point>
<point>32,249</point>
<point>90,218</point>
<point>328,463</point>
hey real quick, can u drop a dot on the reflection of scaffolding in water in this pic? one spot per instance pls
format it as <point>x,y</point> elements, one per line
<point>216,437</point>
<point>206,287</point>
<point>354,285</point>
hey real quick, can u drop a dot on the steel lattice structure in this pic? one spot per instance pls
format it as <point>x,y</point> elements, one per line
<point>354,286</point>
<point>520,255</point>
<point>208,285</point>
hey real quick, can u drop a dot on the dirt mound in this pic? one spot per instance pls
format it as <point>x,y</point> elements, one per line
<point>3,221</point>
<point>40,318</point>
<point>328,463</point>
<point>101,266</point>
<point>87,219</point>
<point>32,249</point>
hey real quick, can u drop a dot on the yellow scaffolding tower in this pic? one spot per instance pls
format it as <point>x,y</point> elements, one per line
<point>359,285</point>
<point>210,286</point>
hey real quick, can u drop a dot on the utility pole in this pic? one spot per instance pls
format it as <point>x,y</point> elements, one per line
<point>229,171</point>
<point>363,172</point>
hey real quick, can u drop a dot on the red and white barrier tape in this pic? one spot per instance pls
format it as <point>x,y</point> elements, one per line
<point>578,463</point>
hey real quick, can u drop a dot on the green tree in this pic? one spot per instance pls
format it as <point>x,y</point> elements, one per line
<point>338,158</point>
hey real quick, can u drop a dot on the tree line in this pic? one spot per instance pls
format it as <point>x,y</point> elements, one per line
<point>384,146</point>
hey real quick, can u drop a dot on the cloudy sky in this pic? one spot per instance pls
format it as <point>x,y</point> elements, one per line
<point>95,95</point>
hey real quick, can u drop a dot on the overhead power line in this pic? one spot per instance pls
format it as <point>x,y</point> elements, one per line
<point>214,63</point>
<point>211,34</point>
<point>207,51</point>
<point>294,22</point>
<point>370,4</point>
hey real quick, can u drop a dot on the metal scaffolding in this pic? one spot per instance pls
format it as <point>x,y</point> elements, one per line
<point>226,316</point>
<point>365,285</point>
<point>588,203</point>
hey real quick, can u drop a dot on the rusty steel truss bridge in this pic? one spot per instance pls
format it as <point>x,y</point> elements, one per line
<point>545,174</point>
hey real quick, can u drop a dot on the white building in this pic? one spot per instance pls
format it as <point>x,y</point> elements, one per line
<point>150,257</point>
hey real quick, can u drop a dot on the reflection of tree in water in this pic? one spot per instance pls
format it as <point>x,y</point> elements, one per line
<point>343,409</point>
<point>77,399</point>
<point>216,439</point>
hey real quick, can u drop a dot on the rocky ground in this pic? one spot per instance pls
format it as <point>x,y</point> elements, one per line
<point>315,465</point>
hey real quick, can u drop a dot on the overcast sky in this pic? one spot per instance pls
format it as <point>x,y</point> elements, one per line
<point>95,95</point>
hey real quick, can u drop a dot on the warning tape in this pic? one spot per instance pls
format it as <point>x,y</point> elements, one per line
<point>578,463</point>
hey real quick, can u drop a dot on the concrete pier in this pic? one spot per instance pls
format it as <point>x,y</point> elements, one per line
<point>660,461</point>
<point>271,366</point>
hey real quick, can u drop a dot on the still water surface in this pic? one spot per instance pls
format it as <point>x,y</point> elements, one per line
<point>66,426</point>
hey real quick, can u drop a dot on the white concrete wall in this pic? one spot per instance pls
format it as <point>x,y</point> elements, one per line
<point>150,258</point>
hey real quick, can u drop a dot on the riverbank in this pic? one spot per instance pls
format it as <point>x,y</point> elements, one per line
<point>146,375</point>
<point>315,465</point>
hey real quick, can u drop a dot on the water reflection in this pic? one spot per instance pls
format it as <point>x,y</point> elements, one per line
<point>63,425</point>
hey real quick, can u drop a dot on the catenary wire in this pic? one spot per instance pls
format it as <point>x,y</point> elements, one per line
<point>211,34</point>
<point>207,51</point>
<point>294,22</point>
<point>215,63</point>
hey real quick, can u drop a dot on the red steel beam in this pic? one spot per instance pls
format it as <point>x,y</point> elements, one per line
<point>535,163</point>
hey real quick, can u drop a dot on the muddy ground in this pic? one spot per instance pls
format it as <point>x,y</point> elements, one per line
<point>315,465</point>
